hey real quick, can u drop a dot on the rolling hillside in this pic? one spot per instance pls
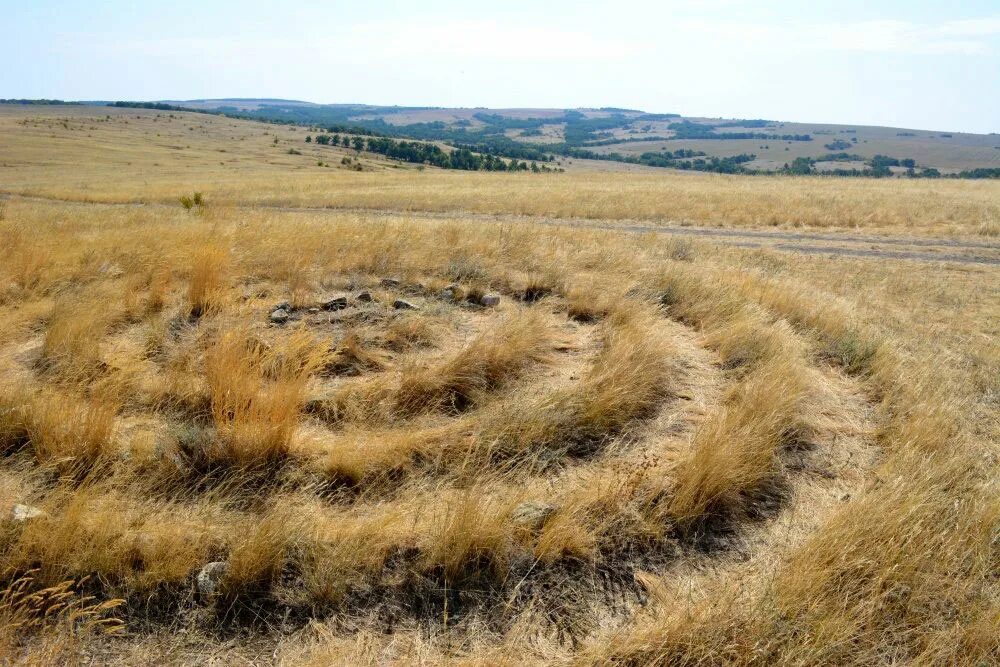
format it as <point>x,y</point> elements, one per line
<point>654,139</point>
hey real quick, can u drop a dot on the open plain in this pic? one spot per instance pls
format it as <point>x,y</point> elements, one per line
<point>334,409</point>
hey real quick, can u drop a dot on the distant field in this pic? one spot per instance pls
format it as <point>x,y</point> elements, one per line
<point>79,153</point>
<point>946,153</point>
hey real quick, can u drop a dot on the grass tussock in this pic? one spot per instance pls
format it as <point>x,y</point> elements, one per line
<point>64,431</point>
<point>491,361</point>
<point>257,395</point>
<point>896,577</point>
<point>488,363</point>
<point>72,343</point>
<point>60,612</point>
<point>207,282</point>
<point>69,432</point>
<point>736,453</point>
<point>471,536</point>
<point>100,530</point>
<point>363,455</point>
<point>629,376</point>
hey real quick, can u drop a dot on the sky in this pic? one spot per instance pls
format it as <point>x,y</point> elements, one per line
<point>916,64</point>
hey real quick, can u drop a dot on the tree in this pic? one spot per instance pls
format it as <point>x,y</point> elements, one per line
<point>309,139</point>
<point>801,166</point>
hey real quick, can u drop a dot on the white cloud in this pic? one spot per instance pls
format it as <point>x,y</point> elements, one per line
<point>964,37</point>
<point>955,37</point>
<point>484,40</point>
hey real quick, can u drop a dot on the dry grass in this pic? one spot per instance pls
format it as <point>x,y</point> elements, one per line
<point>252,171</point>
<point>489,362</point>
<point>58,612</point>
<point>650,452</point>
<point>735,454</point>
<point>206,286</point>
<point>257,394</point>
<point>627,379</point>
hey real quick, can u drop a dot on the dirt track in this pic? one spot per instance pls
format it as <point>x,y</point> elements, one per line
<point>848,245</point>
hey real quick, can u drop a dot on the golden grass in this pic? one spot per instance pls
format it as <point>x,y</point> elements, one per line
<point>629,376</point>
<point>162,159</point>
<point>735,453</point>
<point>205,288</point>
<point>257,395</point>
<point>486,364</point>
<point>638,421</point>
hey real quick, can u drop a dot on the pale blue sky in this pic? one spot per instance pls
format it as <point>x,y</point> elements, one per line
<point>930,65</point>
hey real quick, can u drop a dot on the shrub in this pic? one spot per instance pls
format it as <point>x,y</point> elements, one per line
<point>196,199</point>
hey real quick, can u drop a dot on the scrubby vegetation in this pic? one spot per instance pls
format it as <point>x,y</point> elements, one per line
<point>689,130</point>
<point>429,154</point>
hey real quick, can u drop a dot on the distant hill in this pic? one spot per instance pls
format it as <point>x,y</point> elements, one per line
<point>667,140</point>
<point>653,139</point>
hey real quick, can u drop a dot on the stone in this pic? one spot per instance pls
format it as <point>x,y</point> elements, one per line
<point>390,282</point>
<point>490,300</point>
<point>400,304</point>
<point>336,303</point>
<point>279,316</point>
<point>532,514</point>
<point>210,577</point>
<point>365,297</point>
<point>313,311</point>
<point>284,305</point>
<point>21,513</point>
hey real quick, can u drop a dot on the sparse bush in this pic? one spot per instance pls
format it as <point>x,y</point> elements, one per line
<point>190,202</point>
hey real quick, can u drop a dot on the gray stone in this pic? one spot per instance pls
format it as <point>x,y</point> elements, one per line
<point>448,294</point>
<point>336,303</point>
<point>279,316</point>
<point>365,297</point>
<point>284,305</point>
<point>532,514</point>
<point>490,300</point>
<point>210,577</point>
<point>21,513</point>
<point>313,311</point>
<point>391,282</point>
<point>400,304</point>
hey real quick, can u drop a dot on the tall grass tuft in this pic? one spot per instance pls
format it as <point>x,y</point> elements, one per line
<point>257,394</point>
<point>206,289</point>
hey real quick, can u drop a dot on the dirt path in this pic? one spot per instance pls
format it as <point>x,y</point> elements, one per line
<point>901,247</point>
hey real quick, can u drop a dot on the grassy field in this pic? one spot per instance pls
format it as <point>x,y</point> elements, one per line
<point>946,151</point>
<point>286,425</point>
<point>79,154</point>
